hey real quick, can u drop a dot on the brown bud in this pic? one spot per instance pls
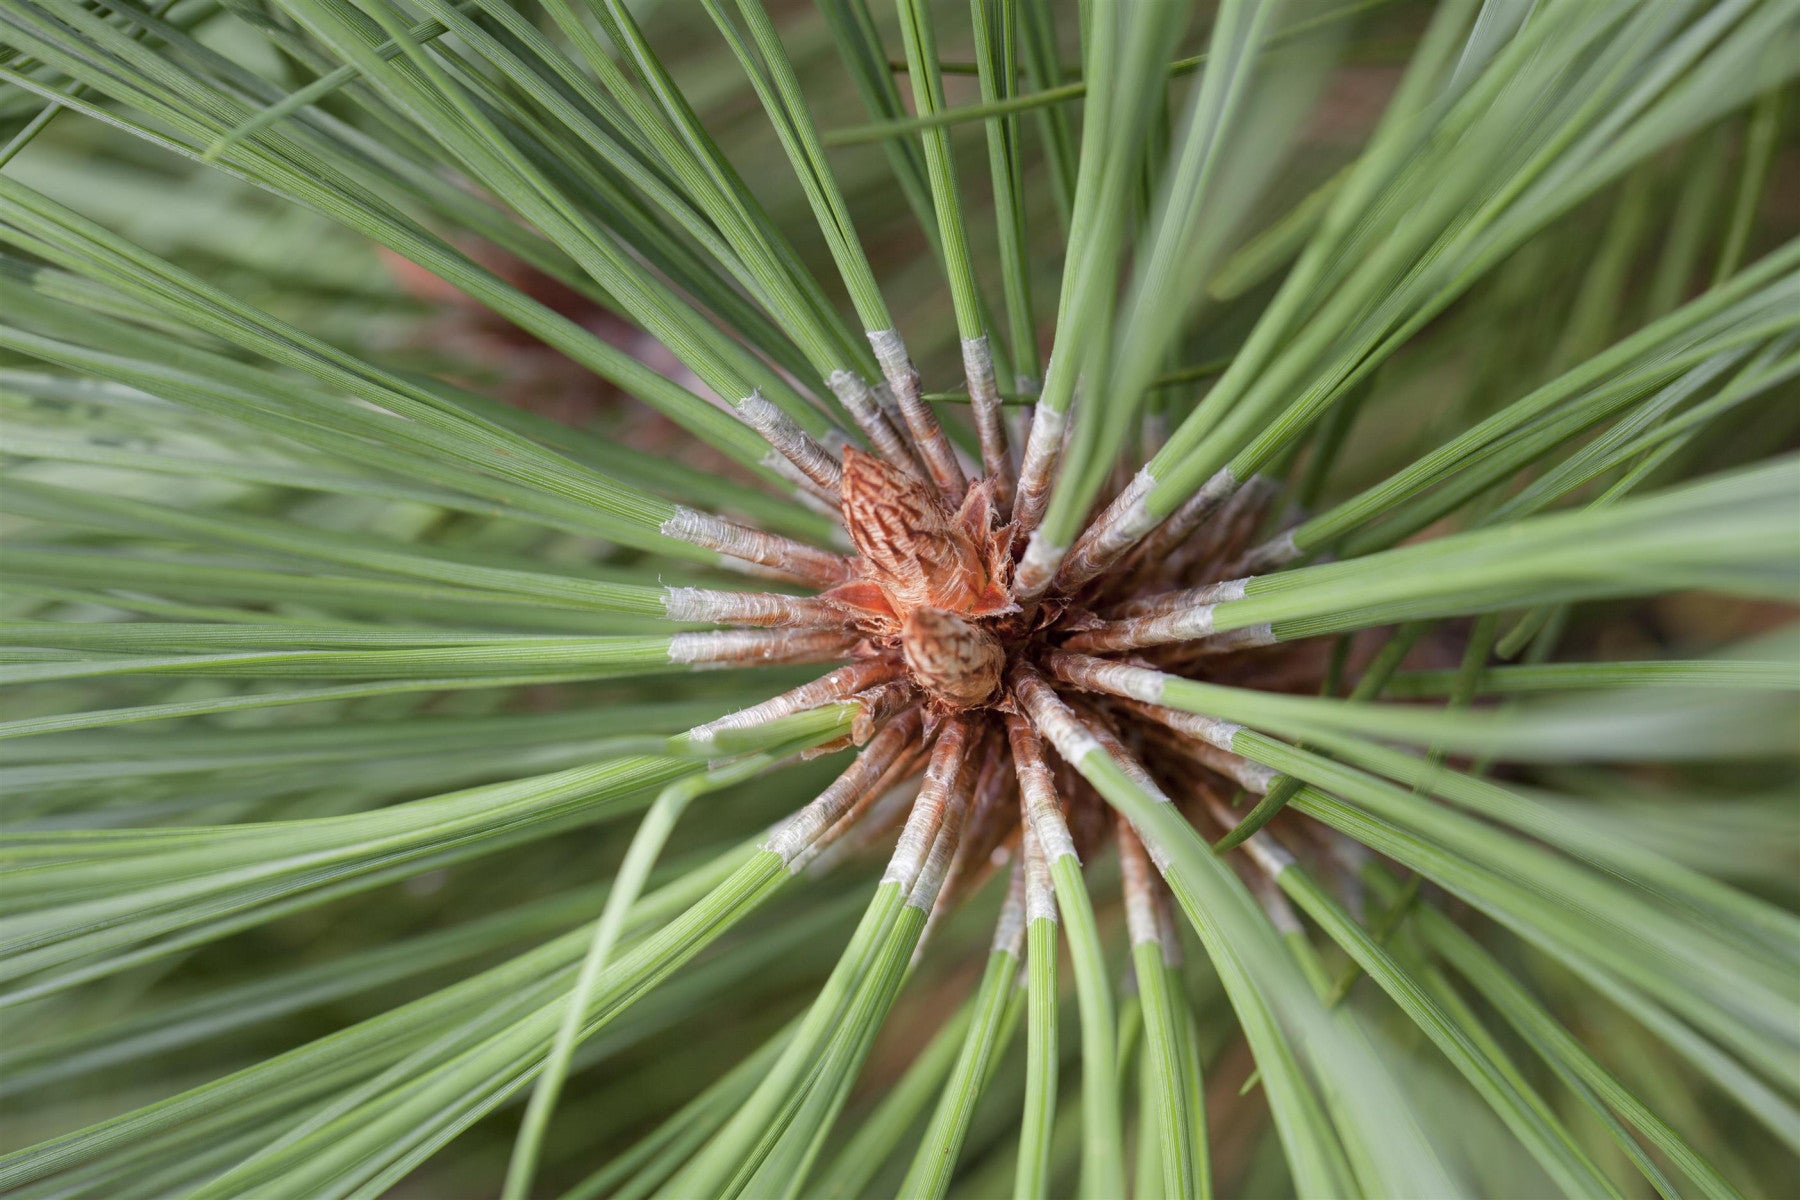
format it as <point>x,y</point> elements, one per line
<point>956,661</point>
<point>914,548</point>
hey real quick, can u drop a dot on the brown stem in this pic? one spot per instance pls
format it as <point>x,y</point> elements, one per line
<point>921,421</point>
<point>760,648</point>
<point>797,839</point>
<point>761,609</point>
<point>826,689</point>
<point>793,443</point>
<point>984,398</point>
<point>938,797</point>
<point>854,393</point>
<point>783,556</point>
<point>1042,810</point>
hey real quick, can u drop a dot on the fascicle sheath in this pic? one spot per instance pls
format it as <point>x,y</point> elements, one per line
<point>1038,566</point>
<point>1104,675</point>
<point>793,443</point>
<point>826,689</point>
<point>1223,532</point>
<point>1137,633</point>
<point>1278,551</point>
<point>1210,743</point>
<point>990,426</point>
<point>859,400</point>
<point>1134,770</point>
<point>1043,450</point>
<point>1009,930</point>
<point>805,490</point>
<point>878,809</point>
<point>1055,720</point>
<point>1037,791</point>
<point>1138,883</point>
<point>936,796</point>
<point>786,557</point>
<point>759,647</point>
<point>1187,517</point>
<point>929,885</point>
<point>1126,520</point>
<point>795,837</point>
<point>1162,603</point>
<point>1249,637</point>
<point>762,609</point>
<point>1040,889</point>
<point>876,705</point>
<point>1270,858</point>
<point>928,435</point>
